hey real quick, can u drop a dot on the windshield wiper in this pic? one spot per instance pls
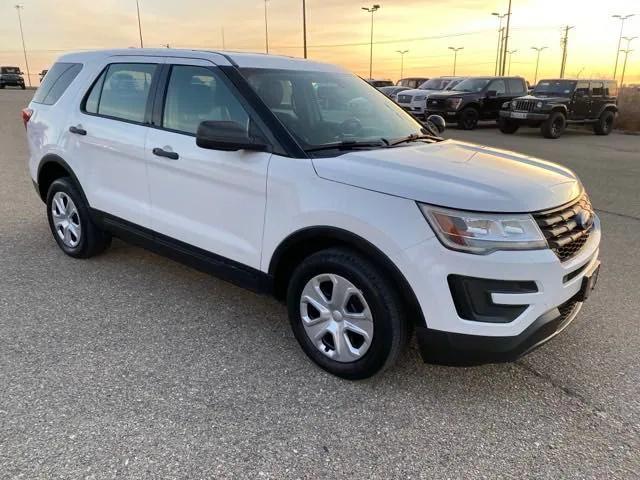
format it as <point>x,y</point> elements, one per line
<point>414,137</point>
<point>348,145</point>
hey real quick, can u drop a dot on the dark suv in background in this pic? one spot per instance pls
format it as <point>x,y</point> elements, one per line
<point>476,98</point>
<point>11,77</point>
<point>556,103</point>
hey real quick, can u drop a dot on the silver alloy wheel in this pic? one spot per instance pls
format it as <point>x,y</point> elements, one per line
<point>66,219</point>
<point>336,317</point>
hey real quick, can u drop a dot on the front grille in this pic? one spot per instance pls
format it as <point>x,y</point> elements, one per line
<point>567,228</point>
<point>436,104</point>
<point>525,105</point>
<point>404,98</point>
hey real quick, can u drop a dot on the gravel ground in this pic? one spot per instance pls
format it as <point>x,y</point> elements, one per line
<point>132,366</point>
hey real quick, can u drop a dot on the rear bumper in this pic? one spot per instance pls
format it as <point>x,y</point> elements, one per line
<point>446,348</point>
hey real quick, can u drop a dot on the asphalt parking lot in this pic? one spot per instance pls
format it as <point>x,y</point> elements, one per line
<point>130,365</point>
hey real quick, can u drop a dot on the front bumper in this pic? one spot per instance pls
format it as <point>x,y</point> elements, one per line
<point>414,108</point>
<point>428,266</point>
<point>524,116</point>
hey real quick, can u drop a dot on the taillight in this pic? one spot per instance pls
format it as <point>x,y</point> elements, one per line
<point>26,116</point>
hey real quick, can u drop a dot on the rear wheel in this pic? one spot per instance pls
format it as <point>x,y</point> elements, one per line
<point>507,126</point>
<point>469,118</point>
<point>22,87</point>
<point>604,125</point>
<point>554,126</point>
<point>346,315</point>
<point>71,225</point>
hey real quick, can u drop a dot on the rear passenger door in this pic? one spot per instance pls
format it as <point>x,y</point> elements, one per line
<point>107,137</point>
<point>597,99</point>
<point>211,199</point>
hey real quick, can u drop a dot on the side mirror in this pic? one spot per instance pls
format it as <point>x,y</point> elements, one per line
<point>492,93</point>
<point>227,136</point>
<point>435,124</point>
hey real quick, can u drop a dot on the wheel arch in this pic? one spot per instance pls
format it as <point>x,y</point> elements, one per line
<point>559,108</point>
<point>306,241</point>
<point>609,107</point>
<point>51,168</point>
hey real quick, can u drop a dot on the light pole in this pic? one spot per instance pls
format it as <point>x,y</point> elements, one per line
<point>537,49</point>
<point>24,48</point>
<point>499,49</point>
<point>266,28</point>
<point>506,40</point>
<point>510,52</point>
<point>622,19</point>
<point>371,10</point>
<point>139,23</point>
<point>624,65</point>
<point>304,27</point>
<point>455,57</point>
<point>402,53</point>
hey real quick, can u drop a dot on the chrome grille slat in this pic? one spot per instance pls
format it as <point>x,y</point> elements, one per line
<point>525,105</point>
<point>560,227</point>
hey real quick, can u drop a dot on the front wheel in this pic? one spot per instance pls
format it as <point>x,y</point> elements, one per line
<point>507,126</point>
<point>346,314</point>
<point>554,126</point>
<point>604,125</point>
<point>469,118</point>
<point>71,225</point>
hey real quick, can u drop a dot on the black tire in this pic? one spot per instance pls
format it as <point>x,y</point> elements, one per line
<point>391,329</point>
<point>1,87</point>
<point>507,126</point>
<point>22,87</point>
<point>93,240</point>
<point>604,125</point>
<point>554,126</point>
<point>469,119</point>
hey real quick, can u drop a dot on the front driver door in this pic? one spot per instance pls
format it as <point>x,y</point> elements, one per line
<point>211,199</point>
<point>492,103</point>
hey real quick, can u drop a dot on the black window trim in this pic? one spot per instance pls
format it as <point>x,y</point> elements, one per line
<point>150,98</point>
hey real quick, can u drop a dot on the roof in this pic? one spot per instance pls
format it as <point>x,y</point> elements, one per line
<point>240,59</point>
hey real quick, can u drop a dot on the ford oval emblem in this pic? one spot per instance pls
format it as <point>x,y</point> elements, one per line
<point>584,219</point>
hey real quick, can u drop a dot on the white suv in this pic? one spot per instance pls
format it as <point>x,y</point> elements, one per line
<point>299,179</point>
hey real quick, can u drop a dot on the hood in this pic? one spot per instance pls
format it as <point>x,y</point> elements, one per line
<point>416,91</point>
<point>456,175</point>
<point>450,93</point>
<point>544,98</point>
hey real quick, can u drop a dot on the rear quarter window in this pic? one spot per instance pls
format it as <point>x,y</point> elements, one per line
<point>517,86</point>
<point>56,82</point>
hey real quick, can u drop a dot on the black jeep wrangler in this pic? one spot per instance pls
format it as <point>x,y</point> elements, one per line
<point>554,104</point>
<point>11,76</point>
<point>474,99</point>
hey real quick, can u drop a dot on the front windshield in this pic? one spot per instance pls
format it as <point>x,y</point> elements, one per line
<point>471,85</point>
<point>435,84</point>
<point>555,88</point>
<point>453,83</point>
<point>14,70</point>
<point>324,108</point>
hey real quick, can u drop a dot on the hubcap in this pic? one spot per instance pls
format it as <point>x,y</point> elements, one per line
<point>66,219</point>
<point>336,317</point>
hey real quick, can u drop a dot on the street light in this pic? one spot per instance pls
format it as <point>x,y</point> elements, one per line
<point>500,37</point>
<point>371,10</point>
<point>266,28</point>
<point>139,23</point>
<point>510,52</point>
<point>624,65</point>
<point>622,19</point>
<point>506,40</point>
<point>24,48</point>
<point>455,57</point>
<point>304,27</point>
<point>537,49</point>
<point>402,53</point>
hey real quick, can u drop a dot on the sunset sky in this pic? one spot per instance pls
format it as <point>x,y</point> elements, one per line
<point>338,32</point>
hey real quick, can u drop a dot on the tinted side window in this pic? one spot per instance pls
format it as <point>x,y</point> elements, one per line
<point>499,86</point>
<point>56,82</point>
<point>597,89</point>
<point>583,88</point>
<point>516,86</point>
<point>123,92</point>
<point>196,94</point>
<point>611,89</point>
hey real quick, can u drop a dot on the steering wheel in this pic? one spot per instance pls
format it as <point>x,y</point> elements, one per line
<point>351,126</point>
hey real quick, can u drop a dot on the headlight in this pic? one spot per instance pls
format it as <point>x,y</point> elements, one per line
<point>539,105</point>
<point>419,98</point>
<point>454,103</point>
<point>483,233</point>
<point>505,105</point>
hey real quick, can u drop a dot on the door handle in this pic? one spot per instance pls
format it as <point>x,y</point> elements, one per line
<point>163,153</point>
<point>78,130</point>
